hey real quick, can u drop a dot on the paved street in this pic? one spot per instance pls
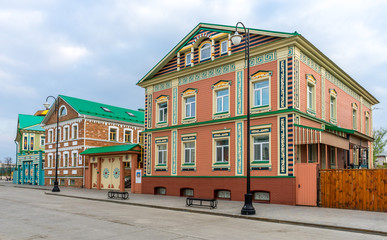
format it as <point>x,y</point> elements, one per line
<point>31,214</point>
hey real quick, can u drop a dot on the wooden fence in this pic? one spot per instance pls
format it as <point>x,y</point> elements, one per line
<point>362,189</point>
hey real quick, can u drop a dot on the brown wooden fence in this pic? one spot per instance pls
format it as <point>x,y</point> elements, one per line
<point>362,189</point>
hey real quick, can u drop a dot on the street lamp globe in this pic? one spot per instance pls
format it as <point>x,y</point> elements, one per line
<point>236,38</point>
<point>46,105</point>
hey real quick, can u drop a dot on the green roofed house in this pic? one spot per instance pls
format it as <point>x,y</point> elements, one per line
<point>30,140</point>
<point>84,125</point>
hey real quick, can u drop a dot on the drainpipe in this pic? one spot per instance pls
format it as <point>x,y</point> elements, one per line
<point>84,148</point>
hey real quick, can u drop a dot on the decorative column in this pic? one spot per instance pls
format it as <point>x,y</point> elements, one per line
<point>122,174</point>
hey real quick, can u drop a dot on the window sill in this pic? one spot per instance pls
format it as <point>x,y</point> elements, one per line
<point>161,124</point>
<point>188,120</point>
<point>259,162</point>
<point>265,108</point>
<point>221,115</point>
<point>332,120</point>
<point>188,164</point>
<point>311,111</point>
<point>221,163</point>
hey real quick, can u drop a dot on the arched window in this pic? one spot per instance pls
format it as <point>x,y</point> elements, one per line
<point>62,111</point>
<point>205,52</point>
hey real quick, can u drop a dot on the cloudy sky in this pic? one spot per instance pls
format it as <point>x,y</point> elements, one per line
<point>98,50</point>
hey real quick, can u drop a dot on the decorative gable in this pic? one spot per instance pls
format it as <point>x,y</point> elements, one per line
<point>261,74</point>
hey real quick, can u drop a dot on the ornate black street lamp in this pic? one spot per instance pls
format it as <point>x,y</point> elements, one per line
<point>47,106</point>
<point>248,208</point>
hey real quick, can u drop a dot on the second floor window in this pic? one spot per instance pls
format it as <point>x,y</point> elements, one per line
<point>66,133</point>
<point>75,131</point>
<point>190,107</point>
<point>113,134</point>
<point>310,96</point>
<point>42,140</point>
<point>354,119</point>
<point>163,110</point>
<point>222,101</point>
<point>261,93</point>
<point>128,136</point>
<point>332,108</point>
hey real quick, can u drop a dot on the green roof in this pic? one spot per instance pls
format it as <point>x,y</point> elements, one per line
<point>30,122</point>
<point>334,128</point>
<point>110,149</point>
<point>111,112</point>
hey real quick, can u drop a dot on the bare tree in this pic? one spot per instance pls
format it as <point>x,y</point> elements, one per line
<point>8,163</point>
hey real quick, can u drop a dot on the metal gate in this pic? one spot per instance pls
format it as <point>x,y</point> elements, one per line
<point>306,184</point>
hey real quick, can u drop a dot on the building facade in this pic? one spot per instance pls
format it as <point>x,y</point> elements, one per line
<point>82,125</point>
<point>30,140</point>
<point>306,114</point>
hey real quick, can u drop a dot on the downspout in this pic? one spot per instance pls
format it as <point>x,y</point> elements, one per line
<point>84,148</point>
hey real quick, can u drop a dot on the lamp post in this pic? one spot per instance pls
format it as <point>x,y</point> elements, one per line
<point>47,106</point>
<point>248,208</point>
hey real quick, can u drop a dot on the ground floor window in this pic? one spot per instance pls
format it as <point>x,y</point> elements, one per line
<point>261,196</point>
<point>222,151</point>
<point>162,154</point>
<point>261,148</point>
<point>225,194</point>
<point>160,190</point>
<point>188,192</point>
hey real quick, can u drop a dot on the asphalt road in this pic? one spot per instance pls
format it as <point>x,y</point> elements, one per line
<point>30,214</point>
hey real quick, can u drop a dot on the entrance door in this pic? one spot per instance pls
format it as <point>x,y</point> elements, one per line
<point>306,184</point>
<point>94,175</point>
<point>110,178</point>
<point>36,174</point>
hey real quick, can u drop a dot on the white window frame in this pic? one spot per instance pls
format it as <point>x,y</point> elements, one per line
<point>61,109</point>
<point>42,140</point>
<point>220,135</point>
<point>367,123</point>
<point>59,134</point>
<point>66,133</point>
<point>50,162</point>
<point>188,61</point>
<point>73,132</point>
<point>165,154</point>
<point>50,134</point>
<point>205,46</point>
<point>66,162</point>
<point>260,144</point>
<point>192,159</point>
<point>186,104</point>
<point>223,51</point>
<point>333,109</point>
<point>164,114</point>
<point>222,100</point>
<point>354,118</point>
<point>254,90</point>
<point>117,134</point>
<point>131,135</point>
<point>138,136</point>
<point>74,160</point>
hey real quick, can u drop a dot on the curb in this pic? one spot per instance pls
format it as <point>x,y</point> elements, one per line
<point>34,188</point>
<point>304,224</point>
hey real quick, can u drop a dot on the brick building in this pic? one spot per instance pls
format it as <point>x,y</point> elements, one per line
<point>306,114</point>
<point>82,125</point>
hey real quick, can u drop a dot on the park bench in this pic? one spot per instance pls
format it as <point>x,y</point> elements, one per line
<point>117,194</point>
<point>212,203</point>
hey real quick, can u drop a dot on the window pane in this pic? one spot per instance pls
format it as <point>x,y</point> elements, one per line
<point>261,138</point>
<point>219,105</point>
<point>257,152</point>
<point>205,51</point>
<point>265,96</point>
<point>187,110</point>
<point>257,98</point>
<point>225,153</point>
<point>265,151</point>
<point>193,109</point>
<point>225,104</point>
<point>222,92</point>
<point>218,154</point>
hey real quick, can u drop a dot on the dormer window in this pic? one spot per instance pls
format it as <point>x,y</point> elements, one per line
<point>130,114</point>
<point>188,58</point>
<point>106,109</point>
<point>205,52</point>
<point>62,111</point>
<point>223,47</point>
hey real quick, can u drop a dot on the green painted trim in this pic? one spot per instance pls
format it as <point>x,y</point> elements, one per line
<point>255,162</point>
<point>189,118</point>
<point>221,113</point>
<point>221,163</point>
<point>219,176</point>
<point>188,164</point>
<point>62,177</point>
<point>161,165</point>
<point>335,128</point>
<point>221,120</point>
<point>260,107</point>
<point>312,128</point>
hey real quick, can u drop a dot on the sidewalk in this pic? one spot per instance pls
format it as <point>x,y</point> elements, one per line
<point>329,218</point>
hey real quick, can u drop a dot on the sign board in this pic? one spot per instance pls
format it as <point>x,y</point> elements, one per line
<point>138,176</point>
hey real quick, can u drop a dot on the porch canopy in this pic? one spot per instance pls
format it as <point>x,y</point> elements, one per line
<point>310,135</point>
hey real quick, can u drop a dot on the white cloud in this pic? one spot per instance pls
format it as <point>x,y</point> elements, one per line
<point>62,55</point>
<point>11,87</point>
<point>16,19</point>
